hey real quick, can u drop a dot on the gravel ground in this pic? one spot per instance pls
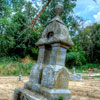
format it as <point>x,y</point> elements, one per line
<point>88,89</point>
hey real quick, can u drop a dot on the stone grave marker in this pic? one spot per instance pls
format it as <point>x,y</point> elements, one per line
<point>20,78</point>
<point>73,70</point>
<point>49,77</point>
<point>74,76</point>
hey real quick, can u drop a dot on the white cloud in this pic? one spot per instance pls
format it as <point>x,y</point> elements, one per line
<point>87,23</point>
<point>90,8</point>
<point>87,8</point>
<point>29,0</point>
<point>97,17</point>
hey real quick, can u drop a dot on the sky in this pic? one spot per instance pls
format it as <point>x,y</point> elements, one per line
<point>88,10</point>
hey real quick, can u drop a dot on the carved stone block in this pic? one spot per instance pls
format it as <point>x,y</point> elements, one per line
<point>24,94</point>
<point>55,77</point>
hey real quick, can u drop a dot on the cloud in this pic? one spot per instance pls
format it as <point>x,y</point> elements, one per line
<point>87,23</point>
<point>87,8</point>
<point>90,8</point>
<point>97,17</point>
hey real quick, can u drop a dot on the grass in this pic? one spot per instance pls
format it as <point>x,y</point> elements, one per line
<point>14,67</point>
<point>80,69</point>
<point>91,77</point>
<point>60,98</point>
<point>10,67</point>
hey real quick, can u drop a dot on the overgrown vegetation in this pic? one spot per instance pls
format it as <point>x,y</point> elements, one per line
<point>13,66</point>
<point>17,38</point>
<point>60,98</point>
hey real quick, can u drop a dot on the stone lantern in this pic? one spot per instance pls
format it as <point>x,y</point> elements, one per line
<point>49,76</point>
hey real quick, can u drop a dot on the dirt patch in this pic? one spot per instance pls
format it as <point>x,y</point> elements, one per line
<point>88,89</point>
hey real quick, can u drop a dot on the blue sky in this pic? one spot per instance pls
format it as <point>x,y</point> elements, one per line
<point>88,10</point>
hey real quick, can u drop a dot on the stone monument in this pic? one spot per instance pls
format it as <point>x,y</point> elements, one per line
<point>20,78</point>
<point>73,70</point>
<point>49,77</point>
<point>74,76</point>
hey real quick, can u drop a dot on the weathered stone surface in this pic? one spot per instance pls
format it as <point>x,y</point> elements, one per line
<point>58,55</point>
<point>41,55</point>
<point>76,77</point>
<point>59,34</point>
<point>24,94</point>
<point>53,94</point>
<point>35,87</point>
<point>20,78</point>
<point>73,70</point>
<point>35,74</point>
<point>49,76</point>
<point>59,9</point>
<point>55,76</point>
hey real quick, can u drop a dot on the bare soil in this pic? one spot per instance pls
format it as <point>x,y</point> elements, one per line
<point>88,89</point>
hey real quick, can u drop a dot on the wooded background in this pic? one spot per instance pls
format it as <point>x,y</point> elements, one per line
<point>18,38</point>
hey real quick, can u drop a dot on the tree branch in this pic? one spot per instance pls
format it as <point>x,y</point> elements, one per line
<point>35,19</point>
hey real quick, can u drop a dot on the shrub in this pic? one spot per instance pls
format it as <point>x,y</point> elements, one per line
<point>75,59</point>
<point>10,67</point>
<point>5,44</point>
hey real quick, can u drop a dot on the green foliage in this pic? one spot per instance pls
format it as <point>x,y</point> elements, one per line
<point>75,59</point>
<point>5,44</point>
<point>87,66</point>
<point>60,98</point>
<point>17,38</point>
<point>15,25</point>
<point>90,42</point>
<point>8,66</point>
<point>25,38</point>
<point>4,8</point>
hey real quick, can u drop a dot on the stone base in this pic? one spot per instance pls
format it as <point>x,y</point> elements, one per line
<point>50,94</point>
<point>24,94</point>
<point>76,77</point>
<point>56,94</point>
<point>34,87</point>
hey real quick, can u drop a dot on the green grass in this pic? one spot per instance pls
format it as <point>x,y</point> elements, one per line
<point>60,98</point>
<point>91,77</point>
<point>14,67</point>
<point>10,67</point>
<point>80,69</point>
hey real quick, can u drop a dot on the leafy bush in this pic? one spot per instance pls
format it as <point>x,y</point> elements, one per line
<point>5,44</point>
<point>10,67</point>
<point>75,59</point>
<point>87,66</point>
<point>60,98</point>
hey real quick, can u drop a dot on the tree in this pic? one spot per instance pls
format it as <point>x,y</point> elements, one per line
<point>17,24</point>
<point>89,41</point>
<point>49,13</point>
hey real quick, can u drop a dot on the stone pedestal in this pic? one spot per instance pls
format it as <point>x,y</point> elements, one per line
<point>54,82</point>
<point>74,76</point>
<point>55,77</point>
<point>25,94</point>
<point>55,94</point>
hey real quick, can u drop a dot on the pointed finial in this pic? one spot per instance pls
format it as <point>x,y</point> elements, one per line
<point>59,9</point>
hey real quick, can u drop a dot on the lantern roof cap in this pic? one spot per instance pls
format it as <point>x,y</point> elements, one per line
<point>56,31</point>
